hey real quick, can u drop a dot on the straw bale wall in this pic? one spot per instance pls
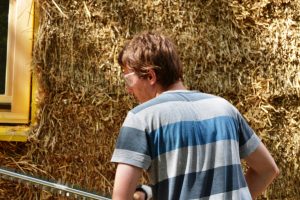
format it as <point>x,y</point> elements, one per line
<point>245,51</point>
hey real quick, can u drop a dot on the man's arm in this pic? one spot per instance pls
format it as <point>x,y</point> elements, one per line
<point>126,180</point>
<point>262,170</point>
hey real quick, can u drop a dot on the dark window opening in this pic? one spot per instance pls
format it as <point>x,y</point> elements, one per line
<point>4,8</point>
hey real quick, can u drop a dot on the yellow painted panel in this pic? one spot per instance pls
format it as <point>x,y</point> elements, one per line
<point>20,44</point>
<point>15,133</point>
<point>9,117</point>
<point>34,82</point>
<point>34,90</point>
<point>23,57</point>
<point>5,99</point>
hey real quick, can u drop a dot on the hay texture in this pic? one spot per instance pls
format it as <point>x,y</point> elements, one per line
<point>245,51</point>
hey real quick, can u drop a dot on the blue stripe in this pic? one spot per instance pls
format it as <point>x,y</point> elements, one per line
<point>173,96</point>
<point>183,134</point>
<point>192,133</point>
<point>201,184</point>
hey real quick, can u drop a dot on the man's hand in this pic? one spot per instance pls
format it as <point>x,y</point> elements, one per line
<point>139,195</point>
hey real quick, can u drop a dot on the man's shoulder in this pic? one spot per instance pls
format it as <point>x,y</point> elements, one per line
<point>169,97</point>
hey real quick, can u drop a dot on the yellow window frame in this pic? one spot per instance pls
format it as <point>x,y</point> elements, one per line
<point>18,84</point>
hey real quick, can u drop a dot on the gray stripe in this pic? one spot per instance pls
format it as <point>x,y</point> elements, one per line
<point>131,158</point>
<point>134,140</point>
<point>175,111</point>
<point>250,146</point>
<point>195,159</point>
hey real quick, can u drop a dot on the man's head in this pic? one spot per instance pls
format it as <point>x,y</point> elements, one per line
<point>152,50</point>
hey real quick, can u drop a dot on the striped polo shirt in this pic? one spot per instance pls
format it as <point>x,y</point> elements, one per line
<point>191,143</point>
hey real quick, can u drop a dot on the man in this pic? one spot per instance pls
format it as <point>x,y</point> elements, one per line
<point>191,143</point>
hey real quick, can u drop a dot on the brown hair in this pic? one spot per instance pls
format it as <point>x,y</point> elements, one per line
<point>152,50</point>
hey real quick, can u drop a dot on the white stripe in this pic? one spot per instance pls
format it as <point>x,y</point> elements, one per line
<point>195,159</point>
<point>176,111</point>
<point>131,158</point>
<point>240,194</point>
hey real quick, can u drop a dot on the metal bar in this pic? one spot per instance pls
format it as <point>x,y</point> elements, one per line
<point>51,185</point>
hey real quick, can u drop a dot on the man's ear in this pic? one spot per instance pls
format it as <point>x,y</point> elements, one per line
<point>152,76</point>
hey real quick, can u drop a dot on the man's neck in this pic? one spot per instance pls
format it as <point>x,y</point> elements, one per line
<point>176,86</point>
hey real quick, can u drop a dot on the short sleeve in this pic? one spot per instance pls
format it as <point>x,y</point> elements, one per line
<point>248,140</point>
<point>132,144</point>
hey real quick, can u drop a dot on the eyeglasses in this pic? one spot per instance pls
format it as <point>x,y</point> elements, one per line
<point>129,79</point>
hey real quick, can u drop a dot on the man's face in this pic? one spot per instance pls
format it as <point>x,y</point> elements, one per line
<point>139,87</point>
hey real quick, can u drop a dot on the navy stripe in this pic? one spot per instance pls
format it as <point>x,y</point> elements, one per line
<point>192,133</point>
<point>201,184</point>
<point>173,96</point>
<point>138,141</point>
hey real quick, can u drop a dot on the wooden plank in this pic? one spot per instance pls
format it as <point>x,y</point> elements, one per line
<point>10,117</point>
<point>5,99</point>
<point>15,133</point>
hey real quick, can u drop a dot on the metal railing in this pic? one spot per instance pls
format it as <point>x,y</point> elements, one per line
<point>50,186</point>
